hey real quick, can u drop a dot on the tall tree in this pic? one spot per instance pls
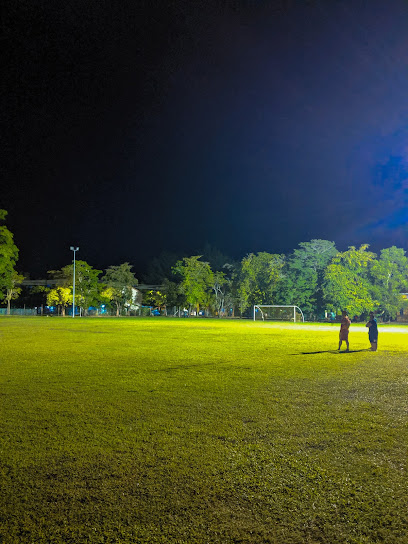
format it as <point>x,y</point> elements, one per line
<point>220,288</point>
<point>196,280</point>
<point>390,278</point>
<point>8,260</point>
<point>305,273</point>
<point>259,279</point>
<point>347,284</point>
<point>13,289</point>
<point>121,280</point>
<point>86,283</point>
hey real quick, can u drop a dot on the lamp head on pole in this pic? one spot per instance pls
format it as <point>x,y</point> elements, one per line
<point>72,248</point>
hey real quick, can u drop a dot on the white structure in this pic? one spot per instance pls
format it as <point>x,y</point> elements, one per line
<point>277,312</point>
<point>136,302</point>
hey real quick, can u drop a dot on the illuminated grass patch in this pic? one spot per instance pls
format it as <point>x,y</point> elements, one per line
<point>195,431</point>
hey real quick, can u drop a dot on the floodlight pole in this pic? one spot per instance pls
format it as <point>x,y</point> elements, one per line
<point>74,249</point>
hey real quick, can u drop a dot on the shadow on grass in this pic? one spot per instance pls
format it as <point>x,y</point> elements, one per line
<point>336,351</point>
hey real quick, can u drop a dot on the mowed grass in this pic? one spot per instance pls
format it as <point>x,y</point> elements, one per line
<point>201,431</point>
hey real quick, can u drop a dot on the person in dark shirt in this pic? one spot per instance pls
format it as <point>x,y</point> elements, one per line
<point>373,332</point>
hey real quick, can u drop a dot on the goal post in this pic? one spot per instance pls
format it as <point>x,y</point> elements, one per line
<point>276,312</point>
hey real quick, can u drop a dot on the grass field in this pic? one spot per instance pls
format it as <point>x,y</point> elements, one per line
<point>201,431</point>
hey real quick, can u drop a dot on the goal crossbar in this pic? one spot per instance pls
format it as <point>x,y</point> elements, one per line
<point>260,306</point>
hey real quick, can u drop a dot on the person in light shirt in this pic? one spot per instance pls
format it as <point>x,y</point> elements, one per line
<point>344,330</point>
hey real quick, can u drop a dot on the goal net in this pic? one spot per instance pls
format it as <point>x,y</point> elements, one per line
<point>265,312</point>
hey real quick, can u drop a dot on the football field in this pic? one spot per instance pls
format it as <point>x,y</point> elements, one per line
<point>193,431</point>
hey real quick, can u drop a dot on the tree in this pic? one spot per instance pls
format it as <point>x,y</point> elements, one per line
<point>121,280</point>
<point>61,297</point>
<point>304,275</point>
<point>157,299</point>
<point>196,280</point>
<point>347,284</point>
<point>106,296</point>
<point>8,260</point>
<point>215,258</point>
<point>13,288</point>
<point>173,295</point>
<point>87,289</point>
<point>161,267</point>
<point>224,290</point>
<point>390,278</point>
<point>259,279</point>
<point>219,287</point>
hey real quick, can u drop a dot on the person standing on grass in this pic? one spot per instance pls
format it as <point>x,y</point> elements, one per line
<point>344,330</point>
<point>373,332</point>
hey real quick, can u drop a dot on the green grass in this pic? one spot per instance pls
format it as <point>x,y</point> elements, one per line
<point>200,431</point>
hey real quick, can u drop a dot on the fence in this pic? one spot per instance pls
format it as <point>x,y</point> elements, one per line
<point>19,311</point>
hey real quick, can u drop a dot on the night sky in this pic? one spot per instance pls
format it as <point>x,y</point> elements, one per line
<point>132,128</point>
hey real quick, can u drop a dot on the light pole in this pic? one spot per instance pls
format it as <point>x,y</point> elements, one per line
<point>74,249</point>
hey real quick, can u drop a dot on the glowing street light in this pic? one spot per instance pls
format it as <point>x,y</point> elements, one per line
<point>74,249</point>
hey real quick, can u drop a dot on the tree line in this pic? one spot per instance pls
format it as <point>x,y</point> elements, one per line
<point>315,276</point>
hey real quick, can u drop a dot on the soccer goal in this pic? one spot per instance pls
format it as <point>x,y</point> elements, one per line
<point>267,312</point>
